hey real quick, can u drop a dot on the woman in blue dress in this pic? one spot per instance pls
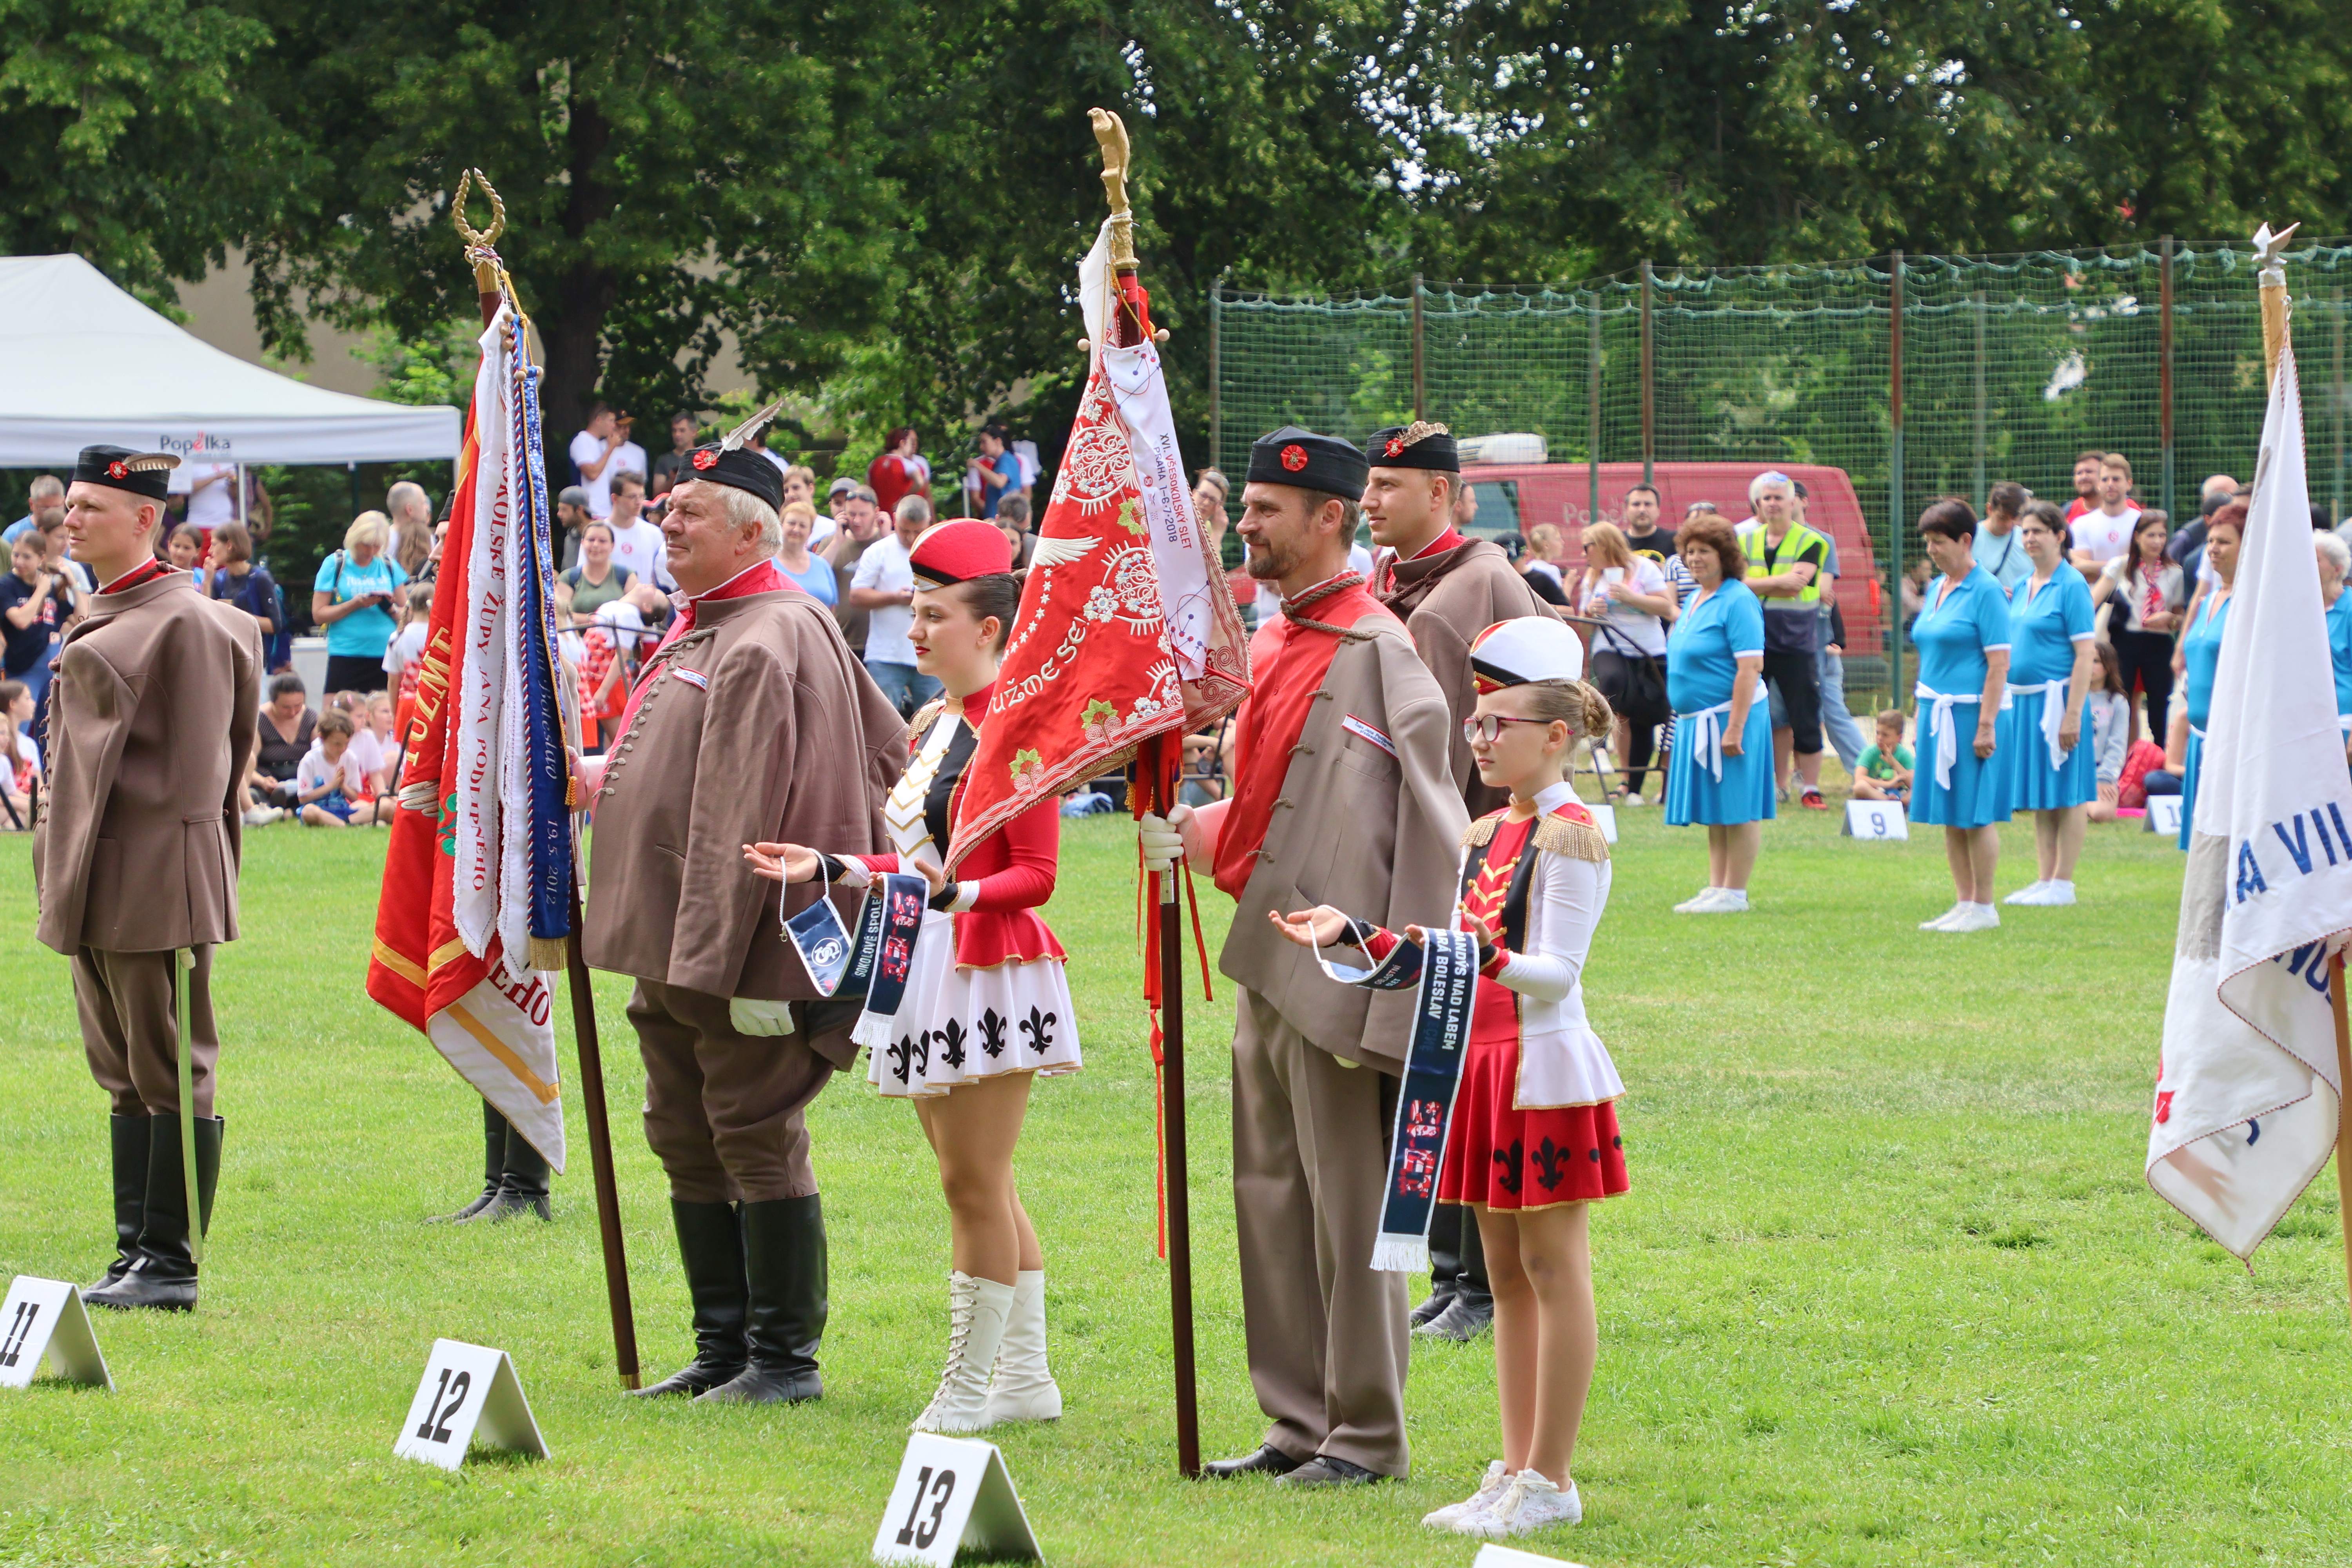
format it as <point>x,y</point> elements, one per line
<point>1963,637</point>
<point>2335,565</point>
<point>2049,771</point>
<point>1720,772</point>
<point>2201,648</point>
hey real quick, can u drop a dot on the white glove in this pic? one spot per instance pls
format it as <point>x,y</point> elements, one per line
<point>760,1019</point>
<point>1162,838</point>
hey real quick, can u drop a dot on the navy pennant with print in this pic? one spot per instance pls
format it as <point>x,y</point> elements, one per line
<point>892,920</point>
<point>826,951</point>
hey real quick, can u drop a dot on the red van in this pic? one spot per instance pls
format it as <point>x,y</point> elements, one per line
<point>1514,497</point>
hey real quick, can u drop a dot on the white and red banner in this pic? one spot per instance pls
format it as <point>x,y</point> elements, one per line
<point>2246,1092</point>
<point>1126,629</point>
<point>454,921</point>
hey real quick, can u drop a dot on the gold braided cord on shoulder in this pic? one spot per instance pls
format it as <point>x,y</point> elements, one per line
<point>925,717</point>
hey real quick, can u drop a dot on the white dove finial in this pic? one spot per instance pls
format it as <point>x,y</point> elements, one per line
<point>2270,253</point>
<point>744,432</point>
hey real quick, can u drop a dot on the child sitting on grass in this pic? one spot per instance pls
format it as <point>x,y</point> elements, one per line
<point>1883,772</point>
<point>330,787</point>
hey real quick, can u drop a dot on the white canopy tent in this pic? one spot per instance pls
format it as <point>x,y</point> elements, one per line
<point>82,362</point>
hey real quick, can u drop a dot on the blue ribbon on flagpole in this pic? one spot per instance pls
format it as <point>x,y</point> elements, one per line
<point>548,768</point>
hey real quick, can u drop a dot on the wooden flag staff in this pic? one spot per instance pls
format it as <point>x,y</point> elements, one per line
<point>2270,263</point>
<point>491,284</point>
<point>1158,763</point>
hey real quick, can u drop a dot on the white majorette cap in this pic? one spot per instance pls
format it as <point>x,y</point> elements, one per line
<point>1525,649</point>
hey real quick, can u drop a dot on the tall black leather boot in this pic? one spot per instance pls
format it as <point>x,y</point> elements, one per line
<point>129,1136</point>
<point>164,1275</point>
<point>710,1245</point>
<point>494,1165</point>
<point>1447,1223</point>
<point>522,1183</point>
<point>784,1262</point>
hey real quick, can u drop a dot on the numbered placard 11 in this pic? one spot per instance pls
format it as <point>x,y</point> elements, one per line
<point>470,1395</point>
<point>1491,1556</point>
<point>2164,814</point>
<point>953,1494</point>
<point>1605,817</point>
<point>1876,819</point>
<point>43,1322</point>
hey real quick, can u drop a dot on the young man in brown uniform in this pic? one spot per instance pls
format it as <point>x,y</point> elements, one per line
<point>1340,791</point>
<point>152,717</point>
<point>1449,588</point>
<point>752,722</point>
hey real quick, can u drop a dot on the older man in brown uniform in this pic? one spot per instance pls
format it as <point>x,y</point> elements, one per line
<point>152,717</point>
<point>1340,791</point>
<point>1448,587</point>
<point>751,722</point>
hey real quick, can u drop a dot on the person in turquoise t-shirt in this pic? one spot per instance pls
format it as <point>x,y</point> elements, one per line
<point>1883,772</point>
<point>352,598</point>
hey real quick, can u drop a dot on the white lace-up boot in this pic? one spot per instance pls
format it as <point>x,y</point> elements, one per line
<point>976,1312</point>
<point>1023,1388</point>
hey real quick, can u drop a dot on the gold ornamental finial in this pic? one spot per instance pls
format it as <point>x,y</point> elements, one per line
<point>480,244</point>
<point>1110,132</point>
<point>2270,278</point>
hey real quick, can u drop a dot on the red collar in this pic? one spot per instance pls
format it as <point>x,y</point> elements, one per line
<point>1450,540</point>
<point>145,572</point>
<point>975,705</point>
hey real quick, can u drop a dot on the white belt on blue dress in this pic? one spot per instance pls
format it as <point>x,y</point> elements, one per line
<point>1939,724</point>
<point>2053,714</point>
<point>1706,734</point>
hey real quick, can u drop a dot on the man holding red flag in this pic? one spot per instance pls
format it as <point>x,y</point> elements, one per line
<point>751,722</point>
<point>1341,790</point>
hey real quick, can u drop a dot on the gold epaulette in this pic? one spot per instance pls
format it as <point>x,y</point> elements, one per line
<point>924,718</point>
<point>1554,835</point>
<point>1481,831</point>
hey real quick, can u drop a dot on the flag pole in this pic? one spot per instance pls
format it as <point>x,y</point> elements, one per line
<point>490,293</point>
<point>2342,1123</point>
<point>1125,330</point>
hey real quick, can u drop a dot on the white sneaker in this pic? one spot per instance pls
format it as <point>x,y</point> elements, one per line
<point>2056,895</point>
<point>1727,901</point>
<point>1944,922</point>
<point>1975,917</point>
<point>1532,1503</point>
<point>1693,905</point>
<point>1634,800</point>
<point>1490,1490</point>
<point>2027,895</point>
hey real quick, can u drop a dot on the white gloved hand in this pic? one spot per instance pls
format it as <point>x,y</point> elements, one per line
<point>760,1019</point>
<point>1162,838</point>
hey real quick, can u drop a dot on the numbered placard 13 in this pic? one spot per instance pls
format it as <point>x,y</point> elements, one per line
<point>953,1492</point>
<point>1876,819</point>
<point>469,1394</point>
<point>44,1323</point>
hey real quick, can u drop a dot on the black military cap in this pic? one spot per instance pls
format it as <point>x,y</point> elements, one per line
<point>1310,462</point>
<point>1419,445</point>
<point>144,474</point>
<point>743,468</point>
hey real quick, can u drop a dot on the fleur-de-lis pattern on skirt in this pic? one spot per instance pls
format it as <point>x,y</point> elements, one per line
<point>1511,1159</point>
<point>992,1033</point>
<point>1039,1026</point>
<point>902,1056</point>
<point>951,1036</point>
<point>1551,1164</point>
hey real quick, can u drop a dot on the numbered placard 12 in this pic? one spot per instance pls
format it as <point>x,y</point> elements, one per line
<point>470,1394</point>
<point>1876,819</point>
<point>1605,817</point>
<point>1492,1556</point>
<point>2164,814</point>
<point>44,1323</point>
<point>953,1494</point>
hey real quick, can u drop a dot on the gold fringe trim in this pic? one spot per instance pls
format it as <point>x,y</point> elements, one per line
<point>1554,835</point>
<point>548,954</point>
<point>924,718</point>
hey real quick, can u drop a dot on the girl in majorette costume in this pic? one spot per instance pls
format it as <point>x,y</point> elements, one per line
<point>986,1004</point>
<point>1533,1138</point>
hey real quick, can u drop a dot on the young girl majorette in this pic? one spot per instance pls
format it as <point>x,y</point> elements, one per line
<point>1533,1138</point>
<point>986,1005</point>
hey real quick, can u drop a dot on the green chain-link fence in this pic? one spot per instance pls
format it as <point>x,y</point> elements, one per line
<point>2009,367</point>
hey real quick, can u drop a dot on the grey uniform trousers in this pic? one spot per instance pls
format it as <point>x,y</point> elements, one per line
<point>1327,1336</point>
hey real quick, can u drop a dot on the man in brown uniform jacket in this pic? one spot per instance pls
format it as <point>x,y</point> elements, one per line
<point>1340,791</point>
<point>1449,588</point>
<point>751,722</point>
<point>151,718</point>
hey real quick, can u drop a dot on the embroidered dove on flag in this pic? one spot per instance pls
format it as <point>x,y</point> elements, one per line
<point>2246,1090</point>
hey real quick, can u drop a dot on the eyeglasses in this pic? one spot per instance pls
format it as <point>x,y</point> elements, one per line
<point>1488,727</point>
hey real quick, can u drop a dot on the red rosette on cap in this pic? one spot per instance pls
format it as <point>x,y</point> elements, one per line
<point>958,552</point>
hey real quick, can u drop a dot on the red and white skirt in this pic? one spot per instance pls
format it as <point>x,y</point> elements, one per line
<point>1506,1159</point>
<point>957,1024</point>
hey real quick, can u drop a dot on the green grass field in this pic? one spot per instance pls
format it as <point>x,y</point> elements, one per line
<point>1888,1288</point>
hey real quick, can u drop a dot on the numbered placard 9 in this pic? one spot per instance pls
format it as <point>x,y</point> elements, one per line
<point>953,1492</point>
<point>1604,817</point>
<point>468,1392</point>
<point>1882,819</point>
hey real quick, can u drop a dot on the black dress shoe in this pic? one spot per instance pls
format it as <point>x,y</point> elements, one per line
<point>1463,1320</point>
<point>1329,1470</point>
<point>1265,1459</point>
<point>1439,1300</point>
<point>756,1384</point>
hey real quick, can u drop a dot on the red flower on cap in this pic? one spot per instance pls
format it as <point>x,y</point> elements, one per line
<point>118,469</point>
<point>707,458</point>
<point>1294,457</point>
<point>1395,447</point>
